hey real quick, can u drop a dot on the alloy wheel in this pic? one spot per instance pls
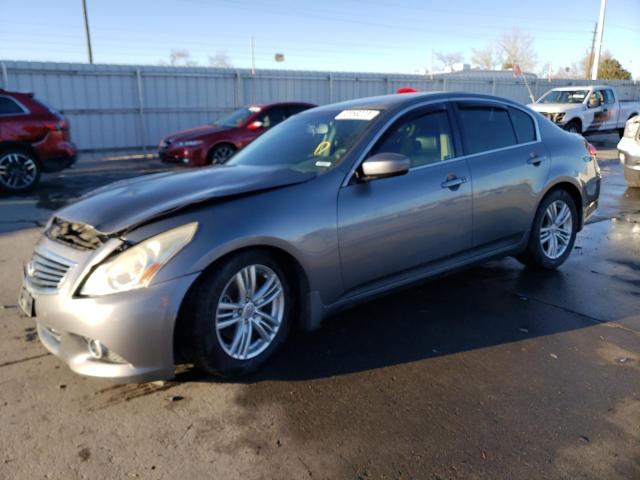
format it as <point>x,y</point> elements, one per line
<point>222,154</point>
<point>250,311</point>
<point>556,229</point>
<point>17,171</point>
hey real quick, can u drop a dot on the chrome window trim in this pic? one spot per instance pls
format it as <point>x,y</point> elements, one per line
<point>381,131</point>
<point>471,155</point>
<point>25,110</point>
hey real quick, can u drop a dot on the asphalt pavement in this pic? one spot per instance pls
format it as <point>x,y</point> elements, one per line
<point>496,372</point>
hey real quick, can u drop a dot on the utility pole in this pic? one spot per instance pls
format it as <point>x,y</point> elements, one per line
<point>598,47</point>
<point>253,69</point>
<point>253,55</point>
<point>593,46</point>
<point>87,31</point>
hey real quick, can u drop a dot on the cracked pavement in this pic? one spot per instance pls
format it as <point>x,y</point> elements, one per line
<point>493,372</point>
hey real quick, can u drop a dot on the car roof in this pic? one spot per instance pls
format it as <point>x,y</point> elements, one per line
<point>580,87</point>
<point>279,104</point>
<point>403,100</point>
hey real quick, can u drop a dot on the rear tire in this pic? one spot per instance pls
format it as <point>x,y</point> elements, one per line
<point>220,154</point>
<point>19,171</point>
<point>227,341</point>
<point>553,233</point>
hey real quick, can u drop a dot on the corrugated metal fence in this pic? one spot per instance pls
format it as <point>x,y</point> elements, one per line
<point>117,106</point>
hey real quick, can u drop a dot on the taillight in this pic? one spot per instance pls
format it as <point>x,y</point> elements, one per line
<point>593,153</point>
<point>57,125</point>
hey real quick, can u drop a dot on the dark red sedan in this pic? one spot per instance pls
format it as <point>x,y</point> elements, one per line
<point>33,139</point>
<point>216,143</point>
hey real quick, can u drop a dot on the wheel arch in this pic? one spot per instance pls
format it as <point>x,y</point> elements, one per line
<point>308,318</point>
<point>571,187</point>
<point>27,147</point>
<point>218,144</point>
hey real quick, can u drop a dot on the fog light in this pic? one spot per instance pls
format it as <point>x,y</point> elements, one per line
<point>96,349</point>
<point>185,160</point>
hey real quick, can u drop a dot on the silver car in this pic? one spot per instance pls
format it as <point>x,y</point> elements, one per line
<point>629,152</point>
<point>332,207</point>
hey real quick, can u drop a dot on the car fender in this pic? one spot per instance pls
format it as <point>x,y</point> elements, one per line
<point>312,303</point>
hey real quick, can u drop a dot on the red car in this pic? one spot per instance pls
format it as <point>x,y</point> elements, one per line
<point>216,143</point>
<point>33,139</point>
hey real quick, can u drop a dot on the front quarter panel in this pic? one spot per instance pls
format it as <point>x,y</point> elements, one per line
<point>299,220</point>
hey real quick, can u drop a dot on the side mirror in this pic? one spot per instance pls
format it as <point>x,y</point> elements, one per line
<point>594,102</point>
<point>385,164</point>
<point>253,126</point>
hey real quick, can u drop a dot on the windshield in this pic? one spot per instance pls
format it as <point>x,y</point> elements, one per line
<point>237,118</point>
<point>564,96</point>
<point>308,142</point>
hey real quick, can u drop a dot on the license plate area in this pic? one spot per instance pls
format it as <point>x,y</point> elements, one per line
<point>27,303</point>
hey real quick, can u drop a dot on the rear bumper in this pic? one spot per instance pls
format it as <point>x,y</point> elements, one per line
<point>55,155</point>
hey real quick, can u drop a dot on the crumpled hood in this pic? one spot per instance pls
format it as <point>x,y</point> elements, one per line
<point>123,205</point>
<point>555,107</point>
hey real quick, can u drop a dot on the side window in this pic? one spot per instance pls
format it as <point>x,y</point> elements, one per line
<point>272,117</point>
<point>424,139</point>
<point>597,94</point>
<point>523,125</point>
<point>9,107</point>
<point>608,97</point>
<point>485,128</point>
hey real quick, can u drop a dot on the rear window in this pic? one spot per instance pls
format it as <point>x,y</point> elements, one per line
<point>9,107</point>
<point>608,97</point>
<point>485,128</point>
<point>523,125</point>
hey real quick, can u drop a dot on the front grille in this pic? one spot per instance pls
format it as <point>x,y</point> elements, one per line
<point>77,235</point>
<point>45,271</point>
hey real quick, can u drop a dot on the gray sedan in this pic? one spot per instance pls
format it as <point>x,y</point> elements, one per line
<point>332,207</point>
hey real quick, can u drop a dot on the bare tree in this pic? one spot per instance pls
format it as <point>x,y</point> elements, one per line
<point>449,59</point>
<point>486,58</point>
<point>220,60</point>
<point>181,58</point>
<point>516,47</point>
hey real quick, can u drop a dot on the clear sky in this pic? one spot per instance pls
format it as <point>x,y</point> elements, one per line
<point>346,35</point>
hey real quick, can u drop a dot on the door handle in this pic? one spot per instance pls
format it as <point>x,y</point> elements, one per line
<point>535,160</point>
<point>453,182</point>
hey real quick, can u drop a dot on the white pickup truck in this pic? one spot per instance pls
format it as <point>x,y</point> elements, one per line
<point>588,109</point>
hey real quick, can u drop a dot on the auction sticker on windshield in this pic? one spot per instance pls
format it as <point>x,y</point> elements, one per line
<point>357,115</point>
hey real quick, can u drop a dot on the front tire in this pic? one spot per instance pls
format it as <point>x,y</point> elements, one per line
<point>19,171</point>
<point>241,315</point>
<point>553,233</point>
<point>220,154</point>
<point>573,127</point>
